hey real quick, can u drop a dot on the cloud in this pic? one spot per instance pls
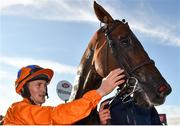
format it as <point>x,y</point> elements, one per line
<point>69,10</point>
<point>9,3</point>
<point>21,61</point>
<point>6,75</point>
<point>61,10</point>
<point>172,113</point>
<point>164,34</point>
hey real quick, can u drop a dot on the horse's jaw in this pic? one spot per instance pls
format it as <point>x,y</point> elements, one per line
<point>158,101</point>
<point>142,99</point>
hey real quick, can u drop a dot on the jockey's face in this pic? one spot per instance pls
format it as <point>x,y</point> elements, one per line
<point>37,90</point>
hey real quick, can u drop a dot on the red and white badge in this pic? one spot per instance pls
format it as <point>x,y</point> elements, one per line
<point>63,90</point>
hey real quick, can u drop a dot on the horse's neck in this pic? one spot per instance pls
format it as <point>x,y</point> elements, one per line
<point>87,77</point>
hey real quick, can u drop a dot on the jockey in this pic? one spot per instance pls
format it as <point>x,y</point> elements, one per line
<point>32,83</point>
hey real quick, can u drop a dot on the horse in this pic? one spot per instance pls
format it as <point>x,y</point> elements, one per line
<point>112,46</point>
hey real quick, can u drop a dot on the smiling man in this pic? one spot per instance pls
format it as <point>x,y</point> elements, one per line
<point>32,83</point>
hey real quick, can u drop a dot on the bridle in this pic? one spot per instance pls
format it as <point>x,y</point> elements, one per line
<point>128,73</point>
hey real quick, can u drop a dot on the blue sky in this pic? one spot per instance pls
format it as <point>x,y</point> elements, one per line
<point>55,34</point>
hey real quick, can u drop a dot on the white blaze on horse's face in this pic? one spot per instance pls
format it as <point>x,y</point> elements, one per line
<point>123,46</point>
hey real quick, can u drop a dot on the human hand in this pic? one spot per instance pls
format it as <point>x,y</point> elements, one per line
<point>104,114</point>
<point>109,83</point>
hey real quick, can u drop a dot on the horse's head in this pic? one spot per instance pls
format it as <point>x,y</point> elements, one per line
<point>116,46</point>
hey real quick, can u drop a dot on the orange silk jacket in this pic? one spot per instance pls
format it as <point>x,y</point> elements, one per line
<point>24,112</point>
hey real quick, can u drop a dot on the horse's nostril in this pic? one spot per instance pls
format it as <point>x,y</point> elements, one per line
<point>164,89</point>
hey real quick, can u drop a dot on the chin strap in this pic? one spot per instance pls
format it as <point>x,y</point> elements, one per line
<point>31,101</point>
<point>47,93</point>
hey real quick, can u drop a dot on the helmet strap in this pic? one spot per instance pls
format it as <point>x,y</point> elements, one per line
<point>31,101</point>
<point>25,93</point>
<point>47,93</point>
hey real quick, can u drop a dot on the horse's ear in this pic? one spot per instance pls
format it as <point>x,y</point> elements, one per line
<point>102,14</point>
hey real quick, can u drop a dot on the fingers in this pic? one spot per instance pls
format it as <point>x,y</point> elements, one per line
<point>111,81</point>
<point>119,82</point>
<point>107,117</point>
<point>104,115</point>
<point>105,111</point>
<point>116,72</point>
<point>118,76</point>
<point>103,105</point>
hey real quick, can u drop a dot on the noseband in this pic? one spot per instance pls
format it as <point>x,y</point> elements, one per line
<point>133,86</point>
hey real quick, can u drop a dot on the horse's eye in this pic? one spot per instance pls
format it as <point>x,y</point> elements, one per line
<point>124,42</point>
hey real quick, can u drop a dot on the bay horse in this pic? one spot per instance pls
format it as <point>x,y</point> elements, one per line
<point>114,45</point>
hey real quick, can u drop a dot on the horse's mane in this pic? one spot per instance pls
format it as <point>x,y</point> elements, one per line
<point>86,70</point>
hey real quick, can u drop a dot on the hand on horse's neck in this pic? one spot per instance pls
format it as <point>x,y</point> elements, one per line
<point>110,82</point>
